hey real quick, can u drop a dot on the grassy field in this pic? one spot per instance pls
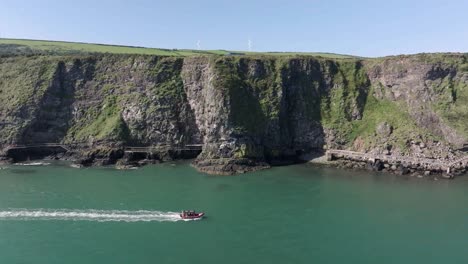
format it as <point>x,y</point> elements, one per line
<point>60,47</point>
<point>321,54</point>
<point>25,46</point>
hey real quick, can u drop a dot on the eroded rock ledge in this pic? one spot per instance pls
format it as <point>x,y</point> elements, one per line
<point>247,112</point>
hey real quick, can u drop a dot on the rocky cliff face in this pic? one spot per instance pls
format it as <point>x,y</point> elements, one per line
<point>247,112</point>
<point>433,91</point>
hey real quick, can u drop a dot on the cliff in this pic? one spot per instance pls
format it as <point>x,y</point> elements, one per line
<point>248,112</point>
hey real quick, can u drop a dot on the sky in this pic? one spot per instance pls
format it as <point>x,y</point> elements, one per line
<point>357,27</point>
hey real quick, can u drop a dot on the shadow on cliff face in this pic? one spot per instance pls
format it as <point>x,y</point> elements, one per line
<point>317,97</point>
<point>281,106</point>
<point>303,88</point>
<point>25,154</point>
<point>298,129</point>
<point>54,114</point>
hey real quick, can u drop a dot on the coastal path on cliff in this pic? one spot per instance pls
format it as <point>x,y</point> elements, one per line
<point>41,145</point>
<point>188,147</point>
<point>68,147</point>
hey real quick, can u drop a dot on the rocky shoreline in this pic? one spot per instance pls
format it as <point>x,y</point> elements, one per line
<point>234,114</point>
<point>398,169</point>
<point>116,155</point>
<point>229,166</point>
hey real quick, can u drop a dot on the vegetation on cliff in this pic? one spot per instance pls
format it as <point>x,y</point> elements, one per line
<point>270,107</point>
<point>105,123</point>
<point>339,96</point>
<point>452,100</point>
<point>23,81</point>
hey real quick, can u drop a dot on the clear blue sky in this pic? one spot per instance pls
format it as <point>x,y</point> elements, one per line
<point>358,27</point>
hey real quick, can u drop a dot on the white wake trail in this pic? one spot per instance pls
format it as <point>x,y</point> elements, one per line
<point>32,164</point>
<point>90,215</point>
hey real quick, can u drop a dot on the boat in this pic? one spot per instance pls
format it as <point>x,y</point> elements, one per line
<point>191,215</point>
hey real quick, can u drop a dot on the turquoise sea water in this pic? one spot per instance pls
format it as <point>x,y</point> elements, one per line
<point>295,214</point>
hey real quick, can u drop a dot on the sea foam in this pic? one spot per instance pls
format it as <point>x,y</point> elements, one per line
<point>32,164</point>
<point>89,215</point>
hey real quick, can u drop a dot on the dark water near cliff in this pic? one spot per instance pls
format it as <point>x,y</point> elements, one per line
<point>295,214</point>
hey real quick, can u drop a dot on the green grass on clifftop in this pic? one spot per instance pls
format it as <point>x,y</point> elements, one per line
<point>23,46</point>
<point>26,46</point>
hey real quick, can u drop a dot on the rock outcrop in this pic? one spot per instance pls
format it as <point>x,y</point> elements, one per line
<point>247,112</point>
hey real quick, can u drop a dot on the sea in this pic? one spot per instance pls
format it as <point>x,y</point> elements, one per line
<point>52,213</point>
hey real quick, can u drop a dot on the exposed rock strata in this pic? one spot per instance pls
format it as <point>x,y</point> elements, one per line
<point>247,112</point>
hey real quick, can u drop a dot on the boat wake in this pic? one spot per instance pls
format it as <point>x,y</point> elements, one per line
<point>90,215</point>
<point>32,164</point>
